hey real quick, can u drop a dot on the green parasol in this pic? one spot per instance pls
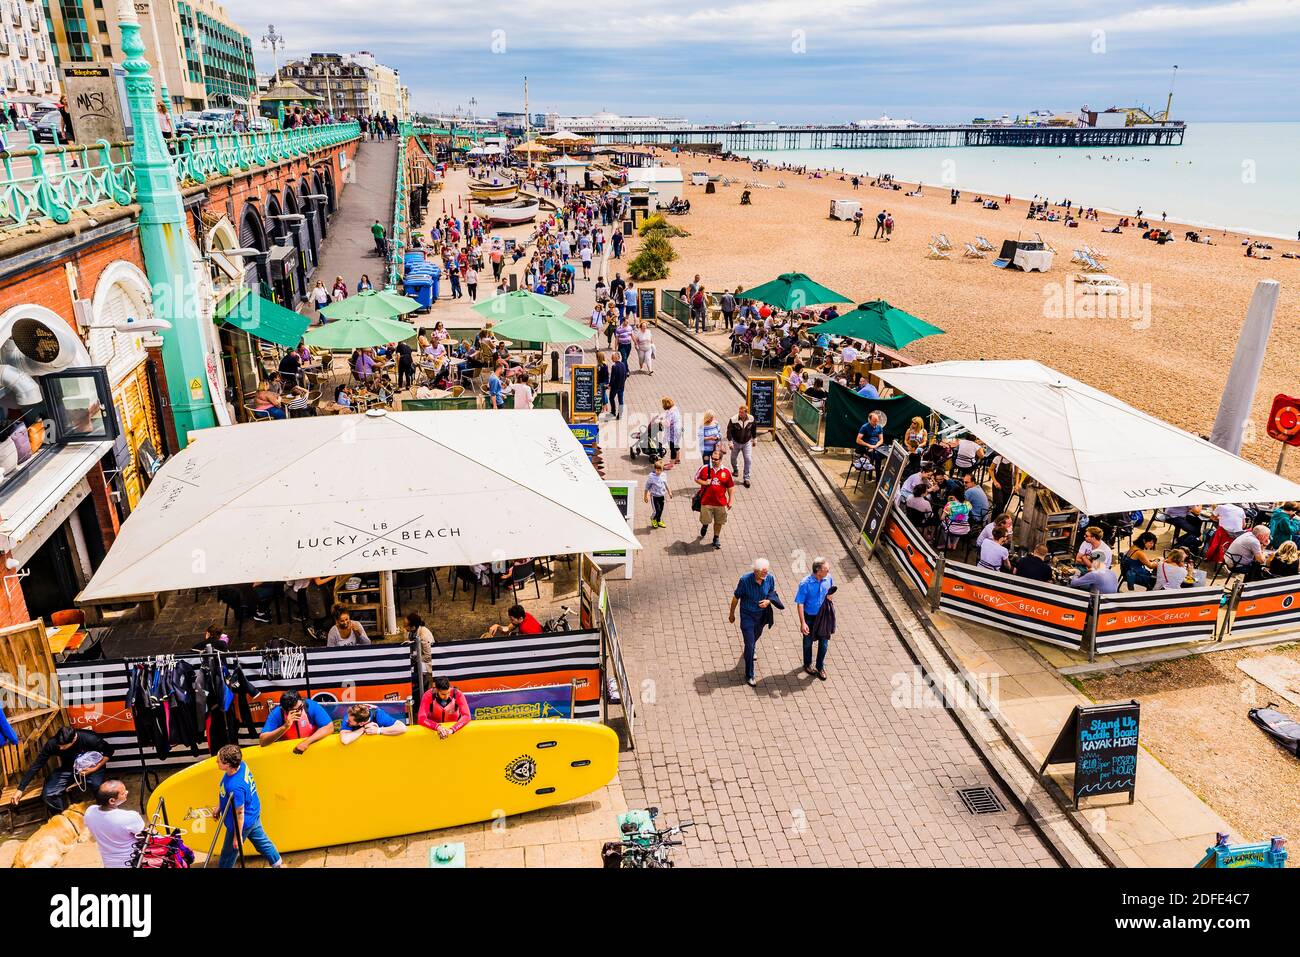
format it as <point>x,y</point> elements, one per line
<point>521,302</point>
<point>792,290</point>
<point>542,327</point>
<point>879,322</point>
<point>371,304</point>
<point>359,333</point>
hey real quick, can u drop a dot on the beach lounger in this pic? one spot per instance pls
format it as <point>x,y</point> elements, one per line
<point>1091,265</point>
<point>1080,256</point>
<point>1094,252</point>
<point>973,253</point>
<point>984,244</point>
<point>936,253</point>
<point>942,242</point>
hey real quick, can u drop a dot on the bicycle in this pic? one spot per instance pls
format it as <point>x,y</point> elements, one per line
<point>643,849</point>
<point>560,622</point>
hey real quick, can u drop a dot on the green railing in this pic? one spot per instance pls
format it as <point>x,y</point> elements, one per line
<point>397,236</point>
<point>808,417</point>
<point>54,182</point>
<point>676,307</point>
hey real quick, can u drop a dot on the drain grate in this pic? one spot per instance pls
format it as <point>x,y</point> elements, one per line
<point>980,800</point>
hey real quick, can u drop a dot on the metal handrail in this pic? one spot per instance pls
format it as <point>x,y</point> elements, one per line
<point>67,179</point>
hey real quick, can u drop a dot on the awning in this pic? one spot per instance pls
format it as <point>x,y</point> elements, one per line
<point>44,499</point>
<point>263,318</point>
<point>1096,452</point>
<point>345,494</point>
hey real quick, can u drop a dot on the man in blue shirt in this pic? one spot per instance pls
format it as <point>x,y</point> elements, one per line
<point>243,810</point>
<point>975,495</point>
<point>756,595</point>
<point>871,439</point>
<point>297,718</point>
<point>868,391</point>
<point>1099,577</point>
<point>814,592</point>
<point>495,388</point>
<point>368,719</point>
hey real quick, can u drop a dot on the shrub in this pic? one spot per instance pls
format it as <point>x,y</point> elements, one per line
<point>657,245</point>
<point>651,223</point>
<point>647,267</point>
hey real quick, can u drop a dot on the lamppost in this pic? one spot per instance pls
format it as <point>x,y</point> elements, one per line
<point>165,241</point>
<point>275,42</point>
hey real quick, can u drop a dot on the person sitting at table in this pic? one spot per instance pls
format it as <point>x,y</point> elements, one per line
<point>1247,555</point>
<point>439,333</point>
<point>214,639</point>
<point>868,391</point>
<point>345,631</point>
<point>1286,562</point>
<point>521,623</point>
<point>871,439</point>
<point>362,363</point>
<point>1098,576</point>
<point>956,520</point>
<point>1283,525</point>
<point>364,719</point>
<point>919,508</point>
<point>1171,571</point>
<point>1139,564</point>
<point>342,397</point>
<point>296,718</point>
<point>267,403</point>
<point>994,553</point>
<point>848,353</point>
<point>290,368</point>
<point>1035,565</point>
<point>1093,546</point>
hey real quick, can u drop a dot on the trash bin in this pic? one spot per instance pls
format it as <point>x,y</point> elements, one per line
<point>413,259</point>
<point>710,187</point>
<point>420,288</point>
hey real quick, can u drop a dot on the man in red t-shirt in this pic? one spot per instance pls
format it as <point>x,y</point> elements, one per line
<point>521,623</point>
<point>715,484</point>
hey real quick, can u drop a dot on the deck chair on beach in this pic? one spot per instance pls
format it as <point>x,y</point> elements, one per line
<point>942,243</point>
<point>936,253</point>
<point>1091,265</point>
<point>1095,253</point>
<point>973,253</point>
<point>983,244</point>
<point>1080,256</point>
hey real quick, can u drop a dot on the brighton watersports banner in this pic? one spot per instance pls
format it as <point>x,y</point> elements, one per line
<point>1145,619</point>
<point>551,701</point>
<point>526,661</point>
<point>1051,613</point>
<point>94,692</point>
<point>846,411</point>
<point>914,555</point>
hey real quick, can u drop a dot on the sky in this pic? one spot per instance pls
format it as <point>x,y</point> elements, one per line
<point>799,61</point>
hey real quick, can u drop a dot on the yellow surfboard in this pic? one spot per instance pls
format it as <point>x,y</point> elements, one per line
<point>383,786</point>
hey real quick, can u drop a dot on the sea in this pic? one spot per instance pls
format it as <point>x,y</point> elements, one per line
<point>1242,177</point>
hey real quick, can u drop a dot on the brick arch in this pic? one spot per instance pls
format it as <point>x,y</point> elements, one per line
<point>252,232</point>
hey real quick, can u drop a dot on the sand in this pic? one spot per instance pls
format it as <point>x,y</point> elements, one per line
<point>1172,365</point>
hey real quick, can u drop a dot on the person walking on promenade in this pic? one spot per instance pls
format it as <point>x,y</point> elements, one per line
<point>880,225</point>
<point>623,332</point>
<point>471,283</point>
<point>602,381</point>
<point>617,381</point>
<point>643,339</point>
<point>672,430</point>
<point>699,307</point>
<point>814,602</point>
<point>756,595</point>
<point>716,487</point>
<point>741,429</point>
<point>710,435</point>
<point>243,810</point>
<point>657,493</point>
<point>616,244</point>
<point>381,242</point>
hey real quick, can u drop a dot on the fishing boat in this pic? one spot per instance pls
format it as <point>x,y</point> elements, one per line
<point>493,192</point>
<point>520,211</point>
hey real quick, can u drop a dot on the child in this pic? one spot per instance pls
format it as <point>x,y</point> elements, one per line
<point>657,492</point>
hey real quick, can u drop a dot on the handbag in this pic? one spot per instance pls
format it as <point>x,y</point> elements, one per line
<point>696,499</point>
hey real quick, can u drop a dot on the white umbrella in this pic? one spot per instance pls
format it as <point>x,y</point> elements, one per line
<point>1096,452</point>
<point>347,494</point>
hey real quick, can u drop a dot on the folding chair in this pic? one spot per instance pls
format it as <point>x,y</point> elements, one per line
<point>983,244</point>
<point>936,253</point>
<point>973,253</point>
<point>943,243</point>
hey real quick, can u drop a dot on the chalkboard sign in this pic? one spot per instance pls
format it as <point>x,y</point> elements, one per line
<point>760,396</point>
<point>584,397</point>
<point>883,497</point>
<point>645,305</point>
<point>1102,741</point>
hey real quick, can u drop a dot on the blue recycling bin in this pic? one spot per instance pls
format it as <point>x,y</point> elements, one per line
<point>413,258</point>
<point>435,276</point>
<point>420,288</point>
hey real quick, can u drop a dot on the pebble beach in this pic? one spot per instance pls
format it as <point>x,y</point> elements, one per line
<point>1165,348</point>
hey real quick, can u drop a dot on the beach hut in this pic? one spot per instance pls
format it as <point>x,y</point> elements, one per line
<point>570,170</point>
<point>666,181</point>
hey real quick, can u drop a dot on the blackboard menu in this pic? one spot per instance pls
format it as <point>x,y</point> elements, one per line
<point>883,497</point>
<point>646,308</point>
<point>584,397</point>
<point>1102,741</point>
<point>760,396</point>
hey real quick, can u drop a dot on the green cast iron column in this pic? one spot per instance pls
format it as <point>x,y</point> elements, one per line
<point>165,241</point>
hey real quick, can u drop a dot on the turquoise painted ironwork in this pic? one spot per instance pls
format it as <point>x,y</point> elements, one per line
<point>398,234</point>
<point>51,183</point>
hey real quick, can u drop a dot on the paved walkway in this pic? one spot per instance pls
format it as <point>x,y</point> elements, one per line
<point>795,771</point>
<point>349,249</point>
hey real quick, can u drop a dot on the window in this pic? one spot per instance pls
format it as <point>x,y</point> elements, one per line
<point>81,404</point>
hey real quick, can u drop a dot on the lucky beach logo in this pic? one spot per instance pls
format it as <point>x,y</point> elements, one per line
<point>380,540</point>
<point>1182,491</point>
<point>990,420</point>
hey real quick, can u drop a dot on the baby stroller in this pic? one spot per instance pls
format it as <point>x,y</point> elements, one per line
<point>647,441</point>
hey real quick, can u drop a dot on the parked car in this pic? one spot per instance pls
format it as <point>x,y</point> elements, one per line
<point>260,124</point>
<point>187,124</point>
<point>48,127</point>
<point>216,121</point>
